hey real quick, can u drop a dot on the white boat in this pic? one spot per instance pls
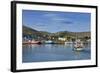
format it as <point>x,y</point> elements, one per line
<point>49,42</point>
<point>78,46</point>
<point>68,43</point>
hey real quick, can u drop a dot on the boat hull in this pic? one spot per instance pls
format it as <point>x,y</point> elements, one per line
<point>78,49</point>
<point>35,42</point>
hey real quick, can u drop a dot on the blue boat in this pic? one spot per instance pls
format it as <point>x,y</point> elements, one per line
<point>49,42</point>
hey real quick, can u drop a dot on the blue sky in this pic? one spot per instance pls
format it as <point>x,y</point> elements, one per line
<point>54,21</point>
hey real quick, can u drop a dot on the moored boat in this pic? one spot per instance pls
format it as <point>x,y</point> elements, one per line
<point>49,42</point>
<point>78,46</point>
<point>31,42</point>
<point>68,43</point>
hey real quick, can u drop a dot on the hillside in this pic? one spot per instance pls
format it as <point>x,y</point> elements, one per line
<point>46,35</point>
<point>32,32</point>
<point>74,34</point>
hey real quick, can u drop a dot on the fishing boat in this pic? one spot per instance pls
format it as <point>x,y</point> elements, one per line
<point>78,46</point>
<point>31,42</point>
<point>35,42</point>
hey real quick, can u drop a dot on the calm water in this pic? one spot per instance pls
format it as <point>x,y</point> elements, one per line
<point>53,52</point>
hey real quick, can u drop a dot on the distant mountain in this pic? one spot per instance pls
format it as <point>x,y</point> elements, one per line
<point>45,33</point>
<point>27,30</point>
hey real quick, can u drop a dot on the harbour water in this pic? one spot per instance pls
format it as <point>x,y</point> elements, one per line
<point>53,52</point>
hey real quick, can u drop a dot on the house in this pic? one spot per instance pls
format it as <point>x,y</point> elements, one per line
<point>62,39</point>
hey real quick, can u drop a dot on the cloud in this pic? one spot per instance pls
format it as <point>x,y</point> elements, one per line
<point>67,22</point>
<point>58,18</point>
<point>50,14</point>
<point>39,28</point>
<point>57,21</point>
<point>39,24</point>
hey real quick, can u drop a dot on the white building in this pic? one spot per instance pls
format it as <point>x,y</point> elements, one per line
<point>62,39</point>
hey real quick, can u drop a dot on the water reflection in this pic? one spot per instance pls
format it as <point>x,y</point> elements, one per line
<point>53,52</point>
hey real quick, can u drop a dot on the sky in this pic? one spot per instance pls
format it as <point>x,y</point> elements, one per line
<point>55,21</point>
